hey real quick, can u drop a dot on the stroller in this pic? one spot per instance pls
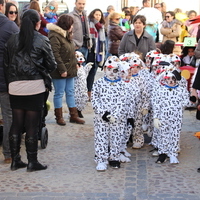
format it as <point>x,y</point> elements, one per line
<point>43,131</point>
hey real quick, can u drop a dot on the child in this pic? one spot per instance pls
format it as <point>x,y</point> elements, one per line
<point>168,103</point>
<point>80,83</point>
<point>109,105</point>
<point>188,57</point>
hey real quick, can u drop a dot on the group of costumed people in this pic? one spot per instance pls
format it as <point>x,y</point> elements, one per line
<point>133,97</point>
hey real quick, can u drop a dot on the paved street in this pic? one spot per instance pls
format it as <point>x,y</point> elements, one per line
<point>71,172</point>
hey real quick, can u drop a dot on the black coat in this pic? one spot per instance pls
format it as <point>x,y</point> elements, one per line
<point>7,28</point>
<point>19,66</point>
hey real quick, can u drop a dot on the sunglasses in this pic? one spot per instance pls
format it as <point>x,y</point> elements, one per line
<point>167,16</point>
<point>13,12</point>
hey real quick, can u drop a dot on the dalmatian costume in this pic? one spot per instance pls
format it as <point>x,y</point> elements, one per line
<point>131,93</point>
<point>109,105</point>
<point>168,104</point>
<point>80,83</point>
<point>141,100</point>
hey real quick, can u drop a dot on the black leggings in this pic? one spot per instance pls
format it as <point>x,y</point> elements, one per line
<point>25,119</point>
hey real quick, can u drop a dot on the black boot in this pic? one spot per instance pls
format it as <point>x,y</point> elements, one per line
<point>15,142</point>
<point>80,114</point>
<point>162,158</point>
<point>114,164</point>
<point>31,149</point>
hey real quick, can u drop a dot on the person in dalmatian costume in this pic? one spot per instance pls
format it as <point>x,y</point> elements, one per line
<point>141,100</point>
<point>80,83</point>
<point>109,104</point>
<point>168,105</point>
<point>131,94</point>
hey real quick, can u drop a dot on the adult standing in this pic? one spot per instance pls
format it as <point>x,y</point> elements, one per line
<point>7,27</point>
<point>81,33</point>
<point>171,30</point>
<point>153,17</point>
<point>97,52</point>
<point>115,33</point>
<point>26,54</point>
<point>60,36</point>
<point>137,40</point>
<point>196,83</point>
<point>12,12</point>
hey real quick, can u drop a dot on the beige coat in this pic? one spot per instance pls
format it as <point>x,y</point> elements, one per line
<point>172,34</point>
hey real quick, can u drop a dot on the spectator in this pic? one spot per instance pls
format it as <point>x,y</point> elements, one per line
<point>7,27</point>
<point>138,39</point>
<point>81,33</point>
<point>60,36</point>
<point>192,28</point>
<point>163,9</point>
<point>115,33</point>
<point>171,30</point>
<point>12,12</point>
<point>133,11</point>
<point>110,9</point>
<point>26,54</point>
<point>35,6</point>
<point>97,52</point>
<point>158,6</point>
<point>187,57</point>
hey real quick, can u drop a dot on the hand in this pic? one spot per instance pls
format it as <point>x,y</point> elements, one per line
<point>144,111</point>
<point>193,99</point>
<point>64,74</point>
<point>194,93</point>
<point>108,117</point>
<point>130,121</point>
<point>156,123</point>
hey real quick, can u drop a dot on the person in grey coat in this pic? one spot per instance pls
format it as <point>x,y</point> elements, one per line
<point>137,40</point>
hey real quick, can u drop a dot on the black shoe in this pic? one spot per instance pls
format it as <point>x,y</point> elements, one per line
<point>80,114</point>
<point>35,166</point>
<point>198,170</point>
<point>114,164</point>
<point>162,158</point>
<point>17,165</point>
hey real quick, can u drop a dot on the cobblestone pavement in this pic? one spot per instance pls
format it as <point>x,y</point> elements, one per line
<point>71,173</point>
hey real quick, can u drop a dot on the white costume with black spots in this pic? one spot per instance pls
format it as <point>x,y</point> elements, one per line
<point>111,97</point>
<point>80,82</point>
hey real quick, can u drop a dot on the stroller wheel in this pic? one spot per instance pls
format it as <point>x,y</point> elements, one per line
<point>44,138</point>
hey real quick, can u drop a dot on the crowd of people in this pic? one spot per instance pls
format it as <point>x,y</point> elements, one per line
<point>137,49</point>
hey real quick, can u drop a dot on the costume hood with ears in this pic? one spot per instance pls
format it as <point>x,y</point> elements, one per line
<point>79,56</point>
<point>111,68</point>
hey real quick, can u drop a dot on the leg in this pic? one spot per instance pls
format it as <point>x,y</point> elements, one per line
<point>32,120</point>
<point>70,100</point>
<point>7,120</point>
<point>59,86</point>
<point>16,130</point>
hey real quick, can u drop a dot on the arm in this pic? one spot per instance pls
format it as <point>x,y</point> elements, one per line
<point>56,46</point>
<point>197,51</point>
<point>121,49</point>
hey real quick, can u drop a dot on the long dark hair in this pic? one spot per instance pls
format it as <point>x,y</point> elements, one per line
<point>8,5</point>
<point>26,34</point>
<point>91,15</point>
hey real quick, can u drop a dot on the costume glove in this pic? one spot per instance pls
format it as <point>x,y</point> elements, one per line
<point>111,118</point>
<point>130,121</point>
<point>108,117</point>
<point>144,111</point>
<point>156,123</point>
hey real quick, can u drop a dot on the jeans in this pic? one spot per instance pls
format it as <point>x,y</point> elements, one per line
<point>63,85</point>
<point>7,121</point>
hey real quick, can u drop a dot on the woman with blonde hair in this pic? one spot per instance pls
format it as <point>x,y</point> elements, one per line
<point>115,33</point>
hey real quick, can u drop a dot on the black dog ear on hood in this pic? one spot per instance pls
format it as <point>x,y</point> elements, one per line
<point>164,63</point>
<point>177,75</point>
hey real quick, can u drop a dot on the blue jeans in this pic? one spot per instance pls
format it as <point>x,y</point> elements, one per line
<point>7,121</point>
<point>63,85</point>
